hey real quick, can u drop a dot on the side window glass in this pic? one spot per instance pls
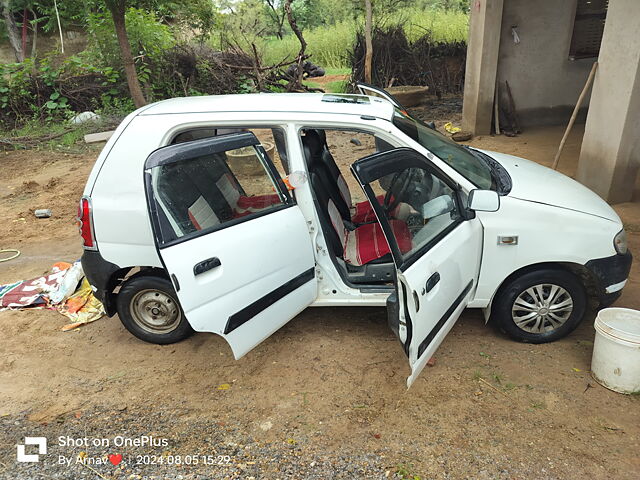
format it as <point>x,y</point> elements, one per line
<point>211,191</point>
<point>273,141</point>
<point>420,199</point>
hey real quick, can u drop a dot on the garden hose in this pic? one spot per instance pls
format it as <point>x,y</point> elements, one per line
<point>16,254</point>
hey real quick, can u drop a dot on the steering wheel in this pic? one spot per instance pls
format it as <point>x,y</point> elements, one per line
<point>391,201</point>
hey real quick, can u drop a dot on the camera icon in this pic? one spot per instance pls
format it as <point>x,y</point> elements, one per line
<point>21,454</point>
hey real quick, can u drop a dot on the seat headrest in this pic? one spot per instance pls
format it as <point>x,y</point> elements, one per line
<point>312,145</point>
<point>313,138</point>
<point>322,135</point>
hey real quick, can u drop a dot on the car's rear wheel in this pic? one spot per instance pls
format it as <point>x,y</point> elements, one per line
<point>148,307</point>
<point>540,306</point>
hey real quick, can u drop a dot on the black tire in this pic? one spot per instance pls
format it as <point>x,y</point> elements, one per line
<point>512,318</point>
<point>148,307</point>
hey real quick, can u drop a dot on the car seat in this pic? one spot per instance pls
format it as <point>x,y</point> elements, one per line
<point>317,152</point>
<point>356,245</point>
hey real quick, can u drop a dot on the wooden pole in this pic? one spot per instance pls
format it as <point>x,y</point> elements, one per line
<point>55,6</point>
<point>25,18</point>
<point>368,32</point>
<point>512,109</point>
<point>583,94</point>
<point>34,43</point>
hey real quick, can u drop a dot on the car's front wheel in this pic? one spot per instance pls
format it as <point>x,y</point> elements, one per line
<point>540,306</point>
<point>148,307</point>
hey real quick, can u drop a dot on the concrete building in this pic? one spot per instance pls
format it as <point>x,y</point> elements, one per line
<point>545,51</point>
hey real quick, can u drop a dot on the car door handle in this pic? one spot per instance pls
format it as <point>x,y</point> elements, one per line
<point>432,282</point>
<point>206,265</point>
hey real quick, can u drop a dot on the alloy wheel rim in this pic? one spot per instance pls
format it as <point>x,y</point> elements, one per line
<point>542,308</point>
<point>155,311</point>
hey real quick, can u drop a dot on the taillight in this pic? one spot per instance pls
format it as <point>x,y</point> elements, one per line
<point>85,224</point>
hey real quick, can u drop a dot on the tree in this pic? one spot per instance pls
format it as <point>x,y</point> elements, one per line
<point>296,83</point>
<point>199,14</point>
<point>276,17</point>
<point>12,30</point>
<point>368,32</point>
<point>117,9</point>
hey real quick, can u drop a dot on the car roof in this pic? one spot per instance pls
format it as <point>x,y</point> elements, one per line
<point>275,102</point>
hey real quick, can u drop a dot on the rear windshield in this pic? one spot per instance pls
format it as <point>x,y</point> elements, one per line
<point>458,158</point>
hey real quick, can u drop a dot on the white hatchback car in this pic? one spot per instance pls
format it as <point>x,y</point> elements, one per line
<point>190,222</point>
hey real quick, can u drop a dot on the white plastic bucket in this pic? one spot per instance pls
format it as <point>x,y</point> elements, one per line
<point>616,351</point>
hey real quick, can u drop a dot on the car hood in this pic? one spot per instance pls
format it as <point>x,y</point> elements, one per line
<point>536,183</point>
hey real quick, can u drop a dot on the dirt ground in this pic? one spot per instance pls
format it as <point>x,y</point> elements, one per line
<point>324,397</point>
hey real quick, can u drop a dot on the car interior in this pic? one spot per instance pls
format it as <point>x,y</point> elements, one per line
<point>418,205</point>
<point>358,246</point>
<point>352,231</point>
<point>357,242</point>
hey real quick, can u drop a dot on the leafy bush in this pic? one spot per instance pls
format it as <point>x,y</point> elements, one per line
<point>198,70</point>
<point>147,36</point>
<point>51,89</point>
<point>54,88</point>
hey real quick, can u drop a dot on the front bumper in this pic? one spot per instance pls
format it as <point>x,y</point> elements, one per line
<point>610,274</point>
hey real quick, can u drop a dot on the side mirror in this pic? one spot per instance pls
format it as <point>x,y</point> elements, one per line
<point>483,201</point>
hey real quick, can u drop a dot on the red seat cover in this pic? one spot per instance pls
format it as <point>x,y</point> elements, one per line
<point>367,242</point>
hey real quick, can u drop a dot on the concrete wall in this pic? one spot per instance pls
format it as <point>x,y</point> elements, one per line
<point>482,61</point>
<point>610,155</point>
<point>544,82</point>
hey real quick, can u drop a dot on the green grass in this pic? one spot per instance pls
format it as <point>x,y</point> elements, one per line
<point>337,86</point>
<point>405,472</point>
<point>312,84</point>
<point>34,134</point>
<point>35,128</point>
<point>337,71</point>
<point>330,45</point>
<point>327,45</point>
<point>443,25</point>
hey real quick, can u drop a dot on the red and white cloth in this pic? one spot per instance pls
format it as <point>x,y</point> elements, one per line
<point>362,212</point>
<point>202,216</point>
<point>367,242</point>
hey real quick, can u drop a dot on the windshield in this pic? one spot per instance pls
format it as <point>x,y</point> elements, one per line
<point>458,158</point>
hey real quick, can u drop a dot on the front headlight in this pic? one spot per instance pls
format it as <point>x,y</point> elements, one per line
<point>620,242</point>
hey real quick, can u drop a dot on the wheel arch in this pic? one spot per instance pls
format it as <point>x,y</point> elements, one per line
<point>119,277</point>
<point>581,272</point>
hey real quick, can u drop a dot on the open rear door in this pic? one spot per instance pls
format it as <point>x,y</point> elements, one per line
<point>234,242</point>
<point>435,246</point>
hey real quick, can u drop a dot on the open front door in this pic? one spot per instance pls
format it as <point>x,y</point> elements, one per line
<point>366,89</point>
<point>234,242</point>
<point>438,264</point>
